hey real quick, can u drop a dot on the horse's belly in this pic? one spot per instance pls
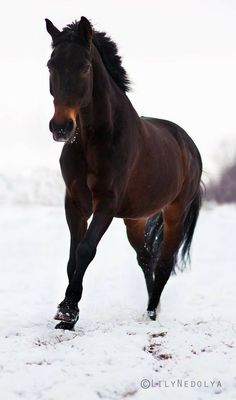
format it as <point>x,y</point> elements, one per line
<point>144,208</point>
<point>148,193</point>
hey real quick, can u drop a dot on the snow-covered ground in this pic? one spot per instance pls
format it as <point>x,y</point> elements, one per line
<point>190,353</point>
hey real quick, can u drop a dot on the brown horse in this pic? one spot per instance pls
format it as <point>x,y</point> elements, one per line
<point>116,164</point>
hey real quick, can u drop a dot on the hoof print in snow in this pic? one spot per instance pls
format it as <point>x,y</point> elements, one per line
<point>152,348</point>
<point>164,356</point>
<point>155,335</point>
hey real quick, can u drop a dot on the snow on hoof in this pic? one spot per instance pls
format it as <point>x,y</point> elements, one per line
<point>152,315</point>
<point>67,312</point>
<point>65,326</point>
<point>69,316</point>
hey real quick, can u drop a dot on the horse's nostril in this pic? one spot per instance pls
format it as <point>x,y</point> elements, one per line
<point>69,125</point>
<point>62,129</point>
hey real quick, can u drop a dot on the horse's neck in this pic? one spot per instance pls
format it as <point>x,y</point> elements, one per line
<point>107,101</point>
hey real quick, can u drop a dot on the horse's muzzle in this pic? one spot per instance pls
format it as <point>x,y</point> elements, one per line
<point>63,131</point>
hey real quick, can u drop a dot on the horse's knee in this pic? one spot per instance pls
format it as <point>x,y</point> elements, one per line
<point>85,252</point>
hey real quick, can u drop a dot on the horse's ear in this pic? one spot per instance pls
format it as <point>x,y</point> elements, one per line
<point>85,30</point>
<point>52,30</point>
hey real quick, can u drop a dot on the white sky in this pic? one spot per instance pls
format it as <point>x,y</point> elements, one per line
<point>179,54</point>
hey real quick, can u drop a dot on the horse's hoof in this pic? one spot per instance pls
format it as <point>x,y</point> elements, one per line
<point>67,312</point>
<point>65,326</point>
<point>152,315</point>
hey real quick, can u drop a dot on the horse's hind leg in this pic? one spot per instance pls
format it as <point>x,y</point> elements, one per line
<point>136,236</point>
<point>170,242</point>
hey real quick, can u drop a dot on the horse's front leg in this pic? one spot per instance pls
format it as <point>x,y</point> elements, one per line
<point>77,223</point>
<point>68,311</point>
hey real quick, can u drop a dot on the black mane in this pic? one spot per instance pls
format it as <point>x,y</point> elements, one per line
<point>107,49</point>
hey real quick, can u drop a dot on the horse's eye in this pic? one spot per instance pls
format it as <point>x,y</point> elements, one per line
<point>86,68</point>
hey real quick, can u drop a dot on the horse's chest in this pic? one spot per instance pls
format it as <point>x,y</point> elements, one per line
<point>98,168</point>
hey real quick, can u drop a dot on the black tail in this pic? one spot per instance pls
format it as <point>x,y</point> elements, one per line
<point>154,234</point>
<point>189,227</point>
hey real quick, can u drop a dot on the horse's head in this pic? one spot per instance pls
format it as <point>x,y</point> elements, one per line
<point>71,76</point>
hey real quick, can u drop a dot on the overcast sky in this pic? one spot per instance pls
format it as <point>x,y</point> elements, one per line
<point>180,56</point>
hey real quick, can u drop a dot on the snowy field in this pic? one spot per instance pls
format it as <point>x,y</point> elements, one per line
<point>189,353</point>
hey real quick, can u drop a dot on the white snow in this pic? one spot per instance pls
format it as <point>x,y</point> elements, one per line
<point>114,347</point>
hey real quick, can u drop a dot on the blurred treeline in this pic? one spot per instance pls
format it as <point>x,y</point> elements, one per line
<point>223,189</point>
